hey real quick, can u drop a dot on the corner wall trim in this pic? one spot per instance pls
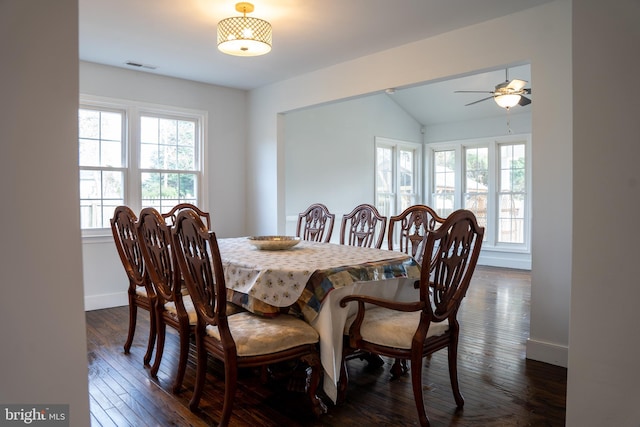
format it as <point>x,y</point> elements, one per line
<point>551,353</point>
<point>97,302</point>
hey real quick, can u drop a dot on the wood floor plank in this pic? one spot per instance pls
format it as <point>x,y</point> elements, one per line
<point>99,417</point>
<point>500,386</point>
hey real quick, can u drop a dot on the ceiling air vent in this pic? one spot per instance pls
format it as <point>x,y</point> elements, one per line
<point>139,65</point>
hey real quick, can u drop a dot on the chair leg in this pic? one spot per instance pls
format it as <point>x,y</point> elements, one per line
<point>152,337</point>
<point>416,382</point>
<point>399,368</point>
<point>182,358</point>
<point>201,370</point>
<point>313,382</point>
<point>160,336</point>
<point>343,381</point>
<point>133,316</point>
<point>230,385</point>
<point>453,373</point>
<point>373,360</point>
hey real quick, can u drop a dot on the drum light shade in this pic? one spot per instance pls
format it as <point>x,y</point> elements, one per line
<point>244,36</point>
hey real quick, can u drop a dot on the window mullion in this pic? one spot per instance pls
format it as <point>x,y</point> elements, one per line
<point>394,173</point>
<point>133,136</point>
<point>460,173</point>
<point>492,205</point>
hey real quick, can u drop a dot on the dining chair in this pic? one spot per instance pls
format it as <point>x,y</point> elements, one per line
<point>416,329</point>
<point>364,226</point>
<point>315,223</point>
<point>244,339</point>
<point>412,227</point>
<point>140,291</point>
<point>171,306</point>
<point>170,217</point>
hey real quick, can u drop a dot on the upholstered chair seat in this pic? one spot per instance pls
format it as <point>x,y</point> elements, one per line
<point>142,292</point>
<point>255,335</point>
<point>391,328</point>
<point>170,306</point>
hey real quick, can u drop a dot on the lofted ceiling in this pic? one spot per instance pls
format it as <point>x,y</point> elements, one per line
<point>435,103</point>
<point>178,39</point>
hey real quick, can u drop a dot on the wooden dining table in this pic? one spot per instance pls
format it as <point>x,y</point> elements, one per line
<point>308,280</point>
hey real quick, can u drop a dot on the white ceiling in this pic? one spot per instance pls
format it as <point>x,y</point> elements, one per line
<point>178,38</point>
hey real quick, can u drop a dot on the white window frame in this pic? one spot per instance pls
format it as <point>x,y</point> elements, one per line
<point>396,146</point>
<point>133,110</point>
<point>491,236</point>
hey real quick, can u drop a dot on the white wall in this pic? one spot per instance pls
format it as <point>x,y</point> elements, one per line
<point>329,153</point>
<point>104,279</point>
<point>604,377</point>
<point>43,359</point>
<point>540,36</point>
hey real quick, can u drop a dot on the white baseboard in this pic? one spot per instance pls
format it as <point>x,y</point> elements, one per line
<point>504,259</point>
<point>553,354</point>
<point>97,302</point>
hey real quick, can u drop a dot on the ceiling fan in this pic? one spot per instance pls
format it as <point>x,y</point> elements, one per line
<point>506,94</point>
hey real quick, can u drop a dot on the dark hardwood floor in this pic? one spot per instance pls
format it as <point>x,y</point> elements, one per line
<point>500,386</point>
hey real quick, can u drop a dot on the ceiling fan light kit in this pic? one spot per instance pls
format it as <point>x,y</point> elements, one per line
<point>507,101</point>
<point>507,94</point>
<point>243,35</point>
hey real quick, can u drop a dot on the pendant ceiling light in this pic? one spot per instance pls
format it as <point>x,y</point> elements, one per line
<point>244,36</point>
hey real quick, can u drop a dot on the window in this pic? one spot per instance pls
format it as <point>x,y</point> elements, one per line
<point>397,175</point>
<point>102,165</point>
<point>490,178</point>
<point>512,194</point>
<point>137,155</point>
<point>169,172</point>
<point>476,184</point>
<point>444,182</point>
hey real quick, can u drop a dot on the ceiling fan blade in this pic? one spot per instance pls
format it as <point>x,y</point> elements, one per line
<point>524,101</point>
<point>516,84</point>
<point>479,100</point>
<point>472,91</point>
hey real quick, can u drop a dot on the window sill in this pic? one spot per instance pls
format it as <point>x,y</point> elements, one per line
<point>101,235</point>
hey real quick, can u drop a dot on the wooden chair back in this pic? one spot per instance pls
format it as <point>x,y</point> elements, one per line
<point>123,228</point>
<point>364,226</point>
<point>455,248</point>
<point>140,291</point>
<point>170,217</point>
<point>315,224</point>
<point>201,265</point>
<point>155,240</point>
<point>411,228</point>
